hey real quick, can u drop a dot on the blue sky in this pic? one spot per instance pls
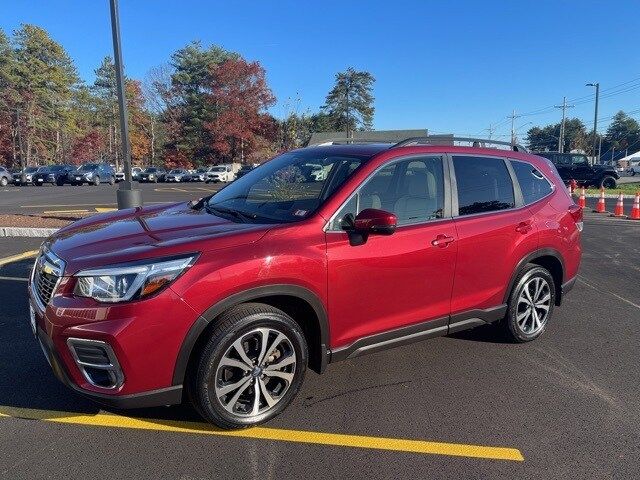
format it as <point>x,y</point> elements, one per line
<point>447,66</point>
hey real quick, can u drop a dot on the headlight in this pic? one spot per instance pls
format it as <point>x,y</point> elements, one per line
<point>129,282</point>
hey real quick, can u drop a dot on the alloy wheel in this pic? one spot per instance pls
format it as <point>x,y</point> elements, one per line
<point>255,372</point>
<point>534,302</point>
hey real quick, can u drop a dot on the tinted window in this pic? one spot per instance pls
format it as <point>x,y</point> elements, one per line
<point>532,183</point>
<point>579,160</point>
<point>484,185</point>
<point>412,189</point>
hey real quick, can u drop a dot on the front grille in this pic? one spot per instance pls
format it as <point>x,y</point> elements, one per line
<point>92,354</point>
<point>47,273</point>
<point>45,285</point>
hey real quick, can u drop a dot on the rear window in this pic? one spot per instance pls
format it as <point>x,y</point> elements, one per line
<point>533,184</point>
<point>484,185</point>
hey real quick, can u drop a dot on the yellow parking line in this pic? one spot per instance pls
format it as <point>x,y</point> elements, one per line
<point>65,211</point>
<point>20,256</point>
<point>273,434</point>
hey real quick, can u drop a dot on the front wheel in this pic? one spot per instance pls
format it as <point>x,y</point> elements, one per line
<point>250,369</point>
<point>530,304</point>
<point>3,182</point>
<point>112,181</point>
<point>96,181</point>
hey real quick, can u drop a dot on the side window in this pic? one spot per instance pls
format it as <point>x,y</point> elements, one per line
<point>412,189</point>
<point>563,160</point>
<point>579,160</point>
<point>532,183</point>
<point>484,185</point>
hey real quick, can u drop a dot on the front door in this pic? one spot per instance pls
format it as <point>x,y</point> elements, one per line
<point>399,280</point>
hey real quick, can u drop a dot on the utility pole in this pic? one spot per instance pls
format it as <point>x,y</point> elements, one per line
<point>595,121</point>
<point>491,129</point>
<point>564,107</point>
<point>127,197</point>
<point>513,117</point>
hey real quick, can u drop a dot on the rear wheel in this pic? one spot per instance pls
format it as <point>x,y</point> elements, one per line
<point>112,181</point>
<point>530,304</point>
<point>608,182</point>
<point>4,182</point>
<point>96,181</point>
<point>251,367</point>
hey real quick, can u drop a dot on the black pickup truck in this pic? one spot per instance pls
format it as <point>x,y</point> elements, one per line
<point>575,166</point>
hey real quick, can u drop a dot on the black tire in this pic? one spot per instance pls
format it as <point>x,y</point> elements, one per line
<point>231,326</point>
<point>608,182</point>
<point>510,323</point>
<point>38,184</point>
<point>60,183</point>
<point>96,180</point>
<point>4,182</point>
<point>112,181</point>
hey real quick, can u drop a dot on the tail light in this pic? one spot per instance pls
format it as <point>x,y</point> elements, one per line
<point>577,214</point>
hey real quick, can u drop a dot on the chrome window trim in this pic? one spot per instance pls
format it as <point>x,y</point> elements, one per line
<point>113,367</point>
<point>445,175</point>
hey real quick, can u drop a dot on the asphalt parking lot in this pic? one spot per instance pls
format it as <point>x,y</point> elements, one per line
<point>81,199</point>
<point>465,406</point>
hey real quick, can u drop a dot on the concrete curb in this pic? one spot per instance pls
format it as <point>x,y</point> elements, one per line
<point>27,232</point>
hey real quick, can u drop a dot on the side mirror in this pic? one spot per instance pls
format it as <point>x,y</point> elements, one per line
<point>370,221</point>
<point>376,222</point>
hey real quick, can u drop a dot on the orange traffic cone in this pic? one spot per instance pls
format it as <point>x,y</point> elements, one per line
<point>619,210</point>
<point>600,206</point>
<point>582,201</point>
<point>635,211</point>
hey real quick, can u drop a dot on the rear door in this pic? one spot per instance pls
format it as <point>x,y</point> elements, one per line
<point>494,232</point>
<point>399,280</point>
<point>581,170</point>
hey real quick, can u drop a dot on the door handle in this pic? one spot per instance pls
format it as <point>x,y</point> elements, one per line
<point>524,227</point>
<point>442,241</point>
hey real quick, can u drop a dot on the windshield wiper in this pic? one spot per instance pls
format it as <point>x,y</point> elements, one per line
<point>243,216</point>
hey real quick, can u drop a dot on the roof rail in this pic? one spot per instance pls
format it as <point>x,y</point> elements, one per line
<point>449,140</point>
<point>344,141</point>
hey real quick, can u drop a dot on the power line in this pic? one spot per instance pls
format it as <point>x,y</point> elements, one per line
<point>564,107</point>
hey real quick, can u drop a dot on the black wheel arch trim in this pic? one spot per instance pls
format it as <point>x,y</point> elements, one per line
<point>542,252</point>
<point>253,294</point>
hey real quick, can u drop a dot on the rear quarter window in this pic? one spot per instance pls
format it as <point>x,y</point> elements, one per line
<point>533,184</point>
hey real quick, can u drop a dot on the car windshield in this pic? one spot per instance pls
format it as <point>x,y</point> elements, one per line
<point>89,167</point>
<point>219,169</point>
<point>175,171</point>
<point>286,189</point>
<point>151,170</point>
<point>57,168</point>
<point>30,169</point>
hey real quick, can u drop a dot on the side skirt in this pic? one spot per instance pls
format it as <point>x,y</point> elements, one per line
<point>421,331</point>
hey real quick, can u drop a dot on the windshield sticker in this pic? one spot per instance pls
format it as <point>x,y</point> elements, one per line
<point>300,213</point>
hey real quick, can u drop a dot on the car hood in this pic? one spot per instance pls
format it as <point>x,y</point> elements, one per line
<point>151,232</point>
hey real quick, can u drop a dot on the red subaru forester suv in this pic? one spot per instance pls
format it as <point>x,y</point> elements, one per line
<point>321,254</point>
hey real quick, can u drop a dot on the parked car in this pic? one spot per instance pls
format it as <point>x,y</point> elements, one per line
<point>232,296</point>
<point>152,175</point>
<point>177,175</point>
<point>634,168</point>
<point>92,174</point>
<point>221,173</point>
<point>244,170</point>
<point>575,166</point>
<point>135,171</point>
<point>28,172</point>
<point>5,177</point>
<point>53,174</point>
<point>198,175</point>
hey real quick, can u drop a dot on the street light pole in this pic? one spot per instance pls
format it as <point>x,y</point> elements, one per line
<point>126,195</point>
<point>595,122</point>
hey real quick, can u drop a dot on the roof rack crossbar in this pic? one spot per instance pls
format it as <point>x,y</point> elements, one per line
<point>439,140</point>
<point>339,141</point>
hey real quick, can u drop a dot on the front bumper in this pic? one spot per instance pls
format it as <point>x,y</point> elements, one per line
<point>164,396</point>
<point>145,336</point>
